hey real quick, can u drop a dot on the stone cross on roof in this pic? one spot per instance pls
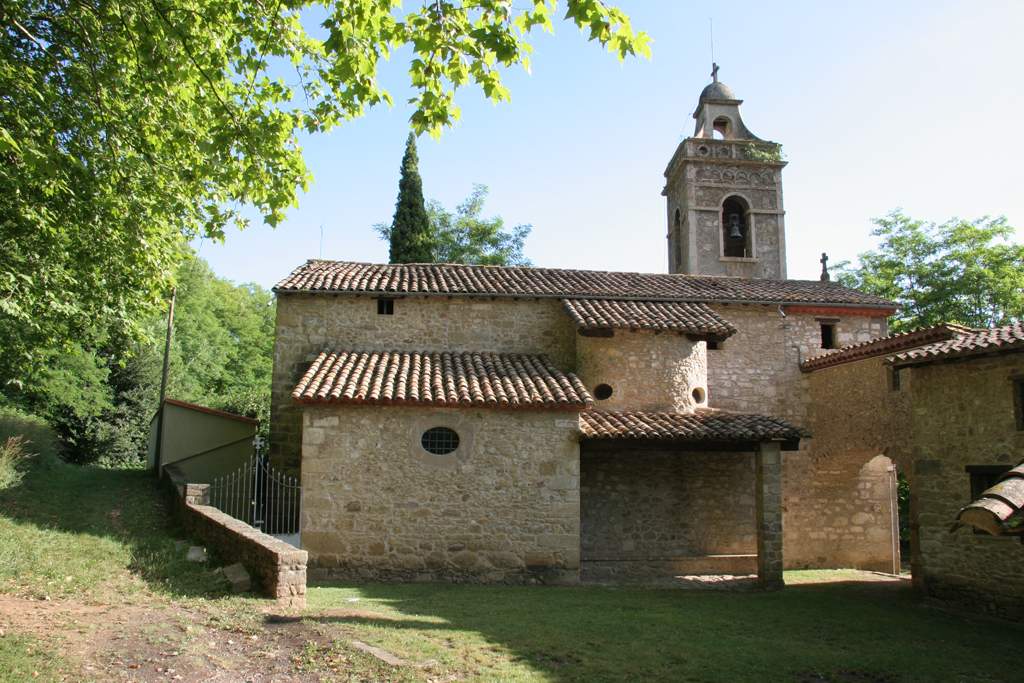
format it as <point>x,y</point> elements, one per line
<point>714,72</point>
<point>825,277</point>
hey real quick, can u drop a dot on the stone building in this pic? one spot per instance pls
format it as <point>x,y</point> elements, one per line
<point>967,427</point>
<point>516,424</point>
<point>945,405</point>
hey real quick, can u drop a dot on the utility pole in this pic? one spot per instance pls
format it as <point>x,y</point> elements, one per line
<point>163,383</point>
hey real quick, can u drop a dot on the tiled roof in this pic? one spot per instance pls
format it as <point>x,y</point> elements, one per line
<point>210,411</point>
<point>703,425</point>
<point>974,342</point>
<point>885,345</point>
<point>440,379</point>
<point>509,281</point>
<point>999,509</point>
<point>677,316</point>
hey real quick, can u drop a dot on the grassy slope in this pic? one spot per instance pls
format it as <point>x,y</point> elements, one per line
<point>88,532</point>
<point>95,535</point>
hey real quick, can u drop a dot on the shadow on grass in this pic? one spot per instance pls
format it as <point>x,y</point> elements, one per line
<point>823,632</point>
<point>68,529</point>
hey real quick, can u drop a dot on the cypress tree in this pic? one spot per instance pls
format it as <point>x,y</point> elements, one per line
<point>411,237</point>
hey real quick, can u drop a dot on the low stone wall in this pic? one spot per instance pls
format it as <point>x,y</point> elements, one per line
<point>277,568</point>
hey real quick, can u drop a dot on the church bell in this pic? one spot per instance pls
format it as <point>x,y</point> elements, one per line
<point>735,229</point>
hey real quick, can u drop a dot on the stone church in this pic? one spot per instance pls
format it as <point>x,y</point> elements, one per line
<point>511,424</point>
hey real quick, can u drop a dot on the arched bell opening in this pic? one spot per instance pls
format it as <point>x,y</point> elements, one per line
<point>736,229</point>
<point>722,128</point>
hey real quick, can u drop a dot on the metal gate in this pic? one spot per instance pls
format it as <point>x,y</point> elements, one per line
<point>260,496</point>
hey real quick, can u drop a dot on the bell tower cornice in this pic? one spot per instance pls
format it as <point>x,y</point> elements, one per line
<point>760,153</point>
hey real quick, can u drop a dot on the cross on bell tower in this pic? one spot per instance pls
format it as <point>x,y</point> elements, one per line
<point>724,194</point>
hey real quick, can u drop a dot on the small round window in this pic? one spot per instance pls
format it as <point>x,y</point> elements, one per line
<point>603,392</point>
<point>698,395</point>
<point>440,440</point>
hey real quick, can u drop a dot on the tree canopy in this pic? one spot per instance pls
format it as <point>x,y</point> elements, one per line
<point>968,272</point>
<point>100,400</point>
<point>129,128</point>
<point>409,234</point>
<point>465,236</point>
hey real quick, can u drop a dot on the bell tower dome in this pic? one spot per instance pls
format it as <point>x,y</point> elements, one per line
<point>724,193</point>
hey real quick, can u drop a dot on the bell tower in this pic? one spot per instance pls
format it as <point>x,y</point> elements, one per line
<point>724,194</point>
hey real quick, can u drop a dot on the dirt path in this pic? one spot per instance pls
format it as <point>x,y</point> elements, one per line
<point>160,641</point>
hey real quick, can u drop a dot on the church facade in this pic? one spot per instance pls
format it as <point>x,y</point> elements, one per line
<point>486,423</point>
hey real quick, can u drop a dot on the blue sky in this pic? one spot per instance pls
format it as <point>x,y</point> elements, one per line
<point>877,105</point>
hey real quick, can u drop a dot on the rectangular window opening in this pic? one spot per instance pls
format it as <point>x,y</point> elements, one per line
<point>984,477</point>
<point>894,379</point>
<point>714,345</point>
<point>385,306</point>
<point>828,336</point>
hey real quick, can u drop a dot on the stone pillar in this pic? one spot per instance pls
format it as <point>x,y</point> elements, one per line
<point>769,515</point>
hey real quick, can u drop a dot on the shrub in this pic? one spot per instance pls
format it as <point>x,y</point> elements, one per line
<point>22,436</point>
<point>12,461</point>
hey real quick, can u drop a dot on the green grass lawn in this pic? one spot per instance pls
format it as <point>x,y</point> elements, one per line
<point>857,632</point>
<point>103,537</point>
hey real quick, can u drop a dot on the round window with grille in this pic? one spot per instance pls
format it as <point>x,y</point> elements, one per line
<point>440,440</point>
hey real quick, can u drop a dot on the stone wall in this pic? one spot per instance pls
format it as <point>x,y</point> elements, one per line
<point>757,370</point>
<point>963,415</point>
<point>855,407</point>
<point>308,324</point>
<point>278,568</point>
<point>840,494</point>
<point>840,511</point>
<point>656,513</point>
<point>647,371</point>
<point>836,508</point>
<point>503,508</point>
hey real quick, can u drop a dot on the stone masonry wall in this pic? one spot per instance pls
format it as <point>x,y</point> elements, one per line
<point>963,415</point>
<point>825,499</point>
<point>647,371</point>
<point>840,511</point>
<point>503,507</point>
<point>308,324</point>
<point>854,408</point>
<point>698,186</point>
<point>757,370</point>
<point>649,513</point>
<point>840,504</point>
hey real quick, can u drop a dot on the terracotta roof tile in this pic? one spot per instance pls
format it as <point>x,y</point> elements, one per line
<point>971,343</point>
<point>464,379</point>
<point>509,281</point>
<point>885,345</point>
<point>999,509</point>
<point>703,425</point>
<point>677,316</point>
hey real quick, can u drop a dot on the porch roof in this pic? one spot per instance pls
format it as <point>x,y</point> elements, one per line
<point>703,427</point>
